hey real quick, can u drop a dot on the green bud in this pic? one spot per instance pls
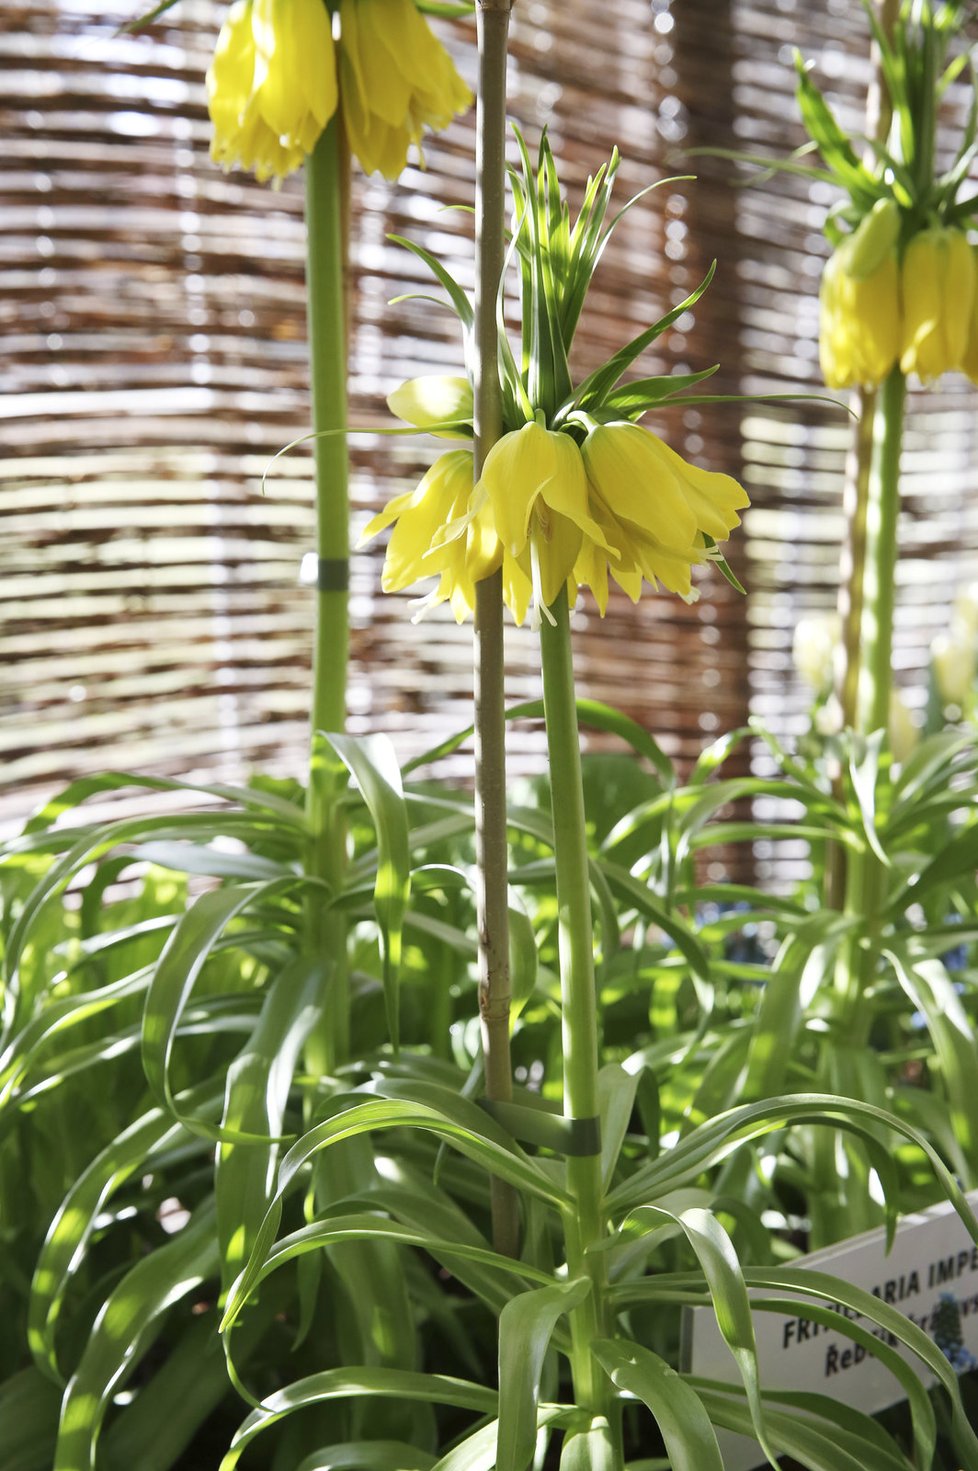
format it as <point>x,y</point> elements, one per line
<point>873,240</point>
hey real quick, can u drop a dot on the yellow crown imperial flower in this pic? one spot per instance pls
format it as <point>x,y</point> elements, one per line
<point>938,282</point>
<point>655,508</point>
<point>271,88</point>
<point>440,532</point>
<point>537,488</point>
<point>859,320</point>
<point>273,84</point>
<point>396,78</point>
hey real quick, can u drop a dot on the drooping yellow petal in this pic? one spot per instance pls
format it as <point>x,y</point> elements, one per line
<point>515,471</point>
<point>444,529</point>
<point>396,79</point>
<point>556,543</point>
<point>859,322</point>
<point>713,498</point>
<point>271,87</point>
<point>636,482</point>
<point>938,284</point>
<point>969,359</point>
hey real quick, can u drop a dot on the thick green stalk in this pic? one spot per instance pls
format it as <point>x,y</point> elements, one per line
<point>879,115</point>
<point>327,174</point>
<point>584,1223</point>
<point>882,514</point>
<point>852,564</point>
<point>489,665</point>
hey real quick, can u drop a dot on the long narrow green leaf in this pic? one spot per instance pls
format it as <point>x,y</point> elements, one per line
<point>678,1410</point>
<point>718,1260</point>
<point>368,1455</point>
<point>57,1018</point>
<point>372,761</point>
<point>65,1245</point>
<point>402,1384</point>
<point>713,1141</point>
<point>954,1038</point>
<point>184,957</point>
<point>121,1333</point>
<point>29,1405</point>
<point>526,1326</point>
<point>256,1094</point>
<point>831,1444</point>
<point>332,1230</point>
<point>468,1128</point>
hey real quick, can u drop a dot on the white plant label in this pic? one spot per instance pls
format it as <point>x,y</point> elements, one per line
<point>930,1275</point>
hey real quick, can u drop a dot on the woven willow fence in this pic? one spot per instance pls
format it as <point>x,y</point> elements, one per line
<point>154,361</point>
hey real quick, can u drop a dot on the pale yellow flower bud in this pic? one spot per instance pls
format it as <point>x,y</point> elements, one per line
<point>813,649</point>
<point>952,657</point>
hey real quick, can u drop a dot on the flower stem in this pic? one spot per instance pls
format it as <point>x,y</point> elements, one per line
<point>327,177</point>
<point>489,666</point>
<point>584,1223</point>
<point>853,562</point>
<point>882,514</point>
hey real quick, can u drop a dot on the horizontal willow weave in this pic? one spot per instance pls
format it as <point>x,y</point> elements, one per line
<point>154,361</point>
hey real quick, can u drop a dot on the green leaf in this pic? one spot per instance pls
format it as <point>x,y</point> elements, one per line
<point>147,1433</point>
<point>477,1452</point>
<point>29,1405</point>
<point>591,713</point>
<point>952,1032</point>
<point>864,769</point>
<point>617,1091</point>
<point>460,302</point>
<point>64,1249</point>
<point>718,1260</point>
<point>335,1229</point>
<point>463,1124</point>
<point>833,142</point>
<point>592,1448</point>
<point>593,392</point>
<point>120,1335</point>
<point>956,858</point>
<point>632,400</point>
<point>711,1142</point>
<point>368,1455</point>
<point>372,761</point>
<point>402,1384</point>
<point>679,1413</point>
<point>830,1444</point>
<point>57,1018</point>
<point>526,1325</point>
<point>184,957</point>
<point>255,1098</point>
<point>149,16</point>
<point>803,964</point>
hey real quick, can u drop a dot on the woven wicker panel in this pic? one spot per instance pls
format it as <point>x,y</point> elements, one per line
<point>154,358</point>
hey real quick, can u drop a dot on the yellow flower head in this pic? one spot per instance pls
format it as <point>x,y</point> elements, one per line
<point>859,327</point>
<point>938,280</point>
<point>396,79</point>
<point>271,88</point>
<point>537,489</point>
<point>440,532</point>
<point>654,508</point>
